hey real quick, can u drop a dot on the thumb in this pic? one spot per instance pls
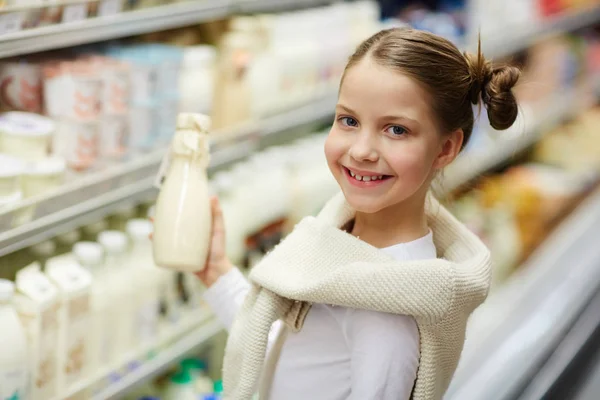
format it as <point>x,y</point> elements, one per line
<point>218,225</point>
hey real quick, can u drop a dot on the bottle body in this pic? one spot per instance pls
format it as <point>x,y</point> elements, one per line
<point>183,222</point>
<point>13,360</point>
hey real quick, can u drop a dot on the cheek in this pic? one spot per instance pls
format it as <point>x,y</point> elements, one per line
<point>411,165</point>
<point>334,148</point>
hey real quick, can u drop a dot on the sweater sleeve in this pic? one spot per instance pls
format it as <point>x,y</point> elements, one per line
<point>384,355</point>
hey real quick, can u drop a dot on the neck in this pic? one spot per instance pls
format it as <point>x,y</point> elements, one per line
<point>400,223</point>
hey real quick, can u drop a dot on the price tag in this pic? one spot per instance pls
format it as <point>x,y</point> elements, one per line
<point>74,12</point>
<point>110,7</point>
<point>11,22</point>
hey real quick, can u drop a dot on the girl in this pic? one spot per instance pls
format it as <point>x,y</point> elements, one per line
<point>370,299</point>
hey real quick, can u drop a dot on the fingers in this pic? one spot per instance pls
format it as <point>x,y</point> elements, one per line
<point>218,225</point>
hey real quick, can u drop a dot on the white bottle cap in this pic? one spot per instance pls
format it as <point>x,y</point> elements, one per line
<point>114,242</point>
<point>88,253</point>
<point>7,290</point>
<point>47,166</point>
<point>11,166</point>
<point>139,229</point>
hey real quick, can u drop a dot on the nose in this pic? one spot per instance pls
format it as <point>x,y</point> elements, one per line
<point>363,149</point>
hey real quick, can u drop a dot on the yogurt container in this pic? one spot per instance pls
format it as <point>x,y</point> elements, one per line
<point>21,86</point>
<point>43,176</point>
<point>77,142</point>
<point>25,135</point>
<point>10,177</point>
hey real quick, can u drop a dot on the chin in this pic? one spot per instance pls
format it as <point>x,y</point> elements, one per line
<point>365,205</point>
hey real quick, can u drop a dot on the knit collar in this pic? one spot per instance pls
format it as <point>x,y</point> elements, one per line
<point>318,253</point>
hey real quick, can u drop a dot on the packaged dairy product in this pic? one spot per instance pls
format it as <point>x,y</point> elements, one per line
<point>198,371</point>
<point>38,307</point>
<point>10,179</point>
<point>183,214</point>
<point>25,135</point>
<point>43,251</point>
<point>90,256</point>
<point>74,285</point>
<point>14,364</point>
<point>180,387</point>
<point>197,79</point>
<point>43,176</point>
<point>115,246</point>
<point>21,86</point>
<point>148,284</point>
<point>77,142</point>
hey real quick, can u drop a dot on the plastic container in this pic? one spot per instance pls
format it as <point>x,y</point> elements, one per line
<point>74,284</point>
<point>77,142</point>
<point>116,246</point>
<point>43,176</point>
<point>198,370</point>
<point>21,85</point>
<point>148,281</point>
<point>10,179</point>
<point>183,214</point>
<point>197,79</point>
<point>90,256</point>
<point>14,366</point>
<point>37,304</point>
<point>113,136</point>
<point>180,387</point>
<point>143,125</point>
<point>25,135</point>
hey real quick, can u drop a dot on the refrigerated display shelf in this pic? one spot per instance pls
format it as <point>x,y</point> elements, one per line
<point>505,43</point>
<point>532,124</point>
<point>92,196</point>
<point>129,23</point>
<point>511,334</point>
<point>189,337</point>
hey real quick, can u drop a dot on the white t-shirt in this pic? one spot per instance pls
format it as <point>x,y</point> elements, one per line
<point>341,353</point>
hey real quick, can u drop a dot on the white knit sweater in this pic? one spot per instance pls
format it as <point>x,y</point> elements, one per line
<point>319,263</point>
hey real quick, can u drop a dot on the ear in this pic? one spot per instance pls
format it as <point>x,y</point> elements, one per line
<point>451,145</point>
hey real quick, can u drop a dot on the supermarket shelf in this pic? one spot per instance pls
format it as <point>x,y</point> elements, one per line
<point>472,164</point>
<point>165,358</point>
<point>510,334</point>
<point>136,22</point>
<point>188,337</point>
<point>505,44</point>
<point>92,196</point>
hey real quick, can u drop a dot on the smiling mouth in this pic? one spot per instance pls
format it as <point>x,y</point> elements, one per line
<point>365,178</point>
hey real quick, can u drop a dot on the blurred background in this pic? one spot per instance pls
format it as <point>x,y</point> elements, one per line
<point>89,93</point>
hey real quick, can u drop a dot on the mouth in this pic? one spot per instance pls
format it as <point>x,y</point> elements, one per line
<point>365,180</point>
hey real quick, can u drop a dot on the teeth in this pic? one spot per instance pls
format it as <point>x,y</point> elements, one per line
<point>367,178</point>
<point>352,174</point>
<point>358,177</point>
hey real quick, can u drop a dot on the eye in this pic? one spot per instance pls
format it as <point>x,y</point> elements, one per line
<point>348,121</point>
<point>396,130</point>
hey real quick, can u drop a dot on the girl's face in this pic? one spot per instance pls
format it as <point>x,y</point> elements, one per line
<point>384,147</point>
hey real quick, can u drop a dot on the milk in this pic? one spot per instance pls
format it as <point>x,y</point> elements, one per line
<point>37,304</point>
<point>14,363</point>
<point>121,293</point>
<point>74,284</point>
<point>148,281</point>
<point>90,256</point>
<point>183,215</point>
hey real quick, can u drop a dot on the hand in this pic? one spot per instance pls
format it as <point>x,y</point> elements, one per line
<point>217,263</point>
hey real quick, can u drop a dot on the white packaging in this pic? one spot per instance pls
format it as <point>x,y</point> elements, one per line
<point>43,176</point>
<point>116,246</point>
<point>10,178</point>
<point>183,214</point>
<point>90,256</point>
<point>25,135</point>
<point>21,86</point>
<point>74,284</point>
<point>14,364</point>
<point>113,138</point>
<point>77,143</point>
<point>38,307</point>
<point>197,79</point>
<point>143,125</point>
<point>148,283</point>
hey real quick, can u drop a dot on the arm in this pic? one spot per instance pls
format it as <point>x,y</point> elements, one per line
<point>226,295</point>
<point>384,355</point>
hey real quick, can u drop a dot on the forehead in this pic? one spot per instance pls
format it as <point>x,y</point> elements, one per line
<point>371,88</point>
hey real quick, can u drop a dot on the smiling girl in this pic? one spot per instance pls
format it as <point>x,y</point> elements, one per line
<point>370,299</point>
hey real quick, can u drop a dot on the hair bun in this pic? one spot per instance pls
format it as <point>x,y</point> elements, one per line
<point>494,86</point>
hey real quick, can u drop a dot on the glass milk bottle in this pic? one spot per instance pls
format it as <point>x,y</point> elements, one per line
<point>182,222</point>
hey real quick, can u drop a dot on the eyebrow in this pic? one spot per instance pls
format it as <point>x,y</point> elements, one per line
<point>386,118</point>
